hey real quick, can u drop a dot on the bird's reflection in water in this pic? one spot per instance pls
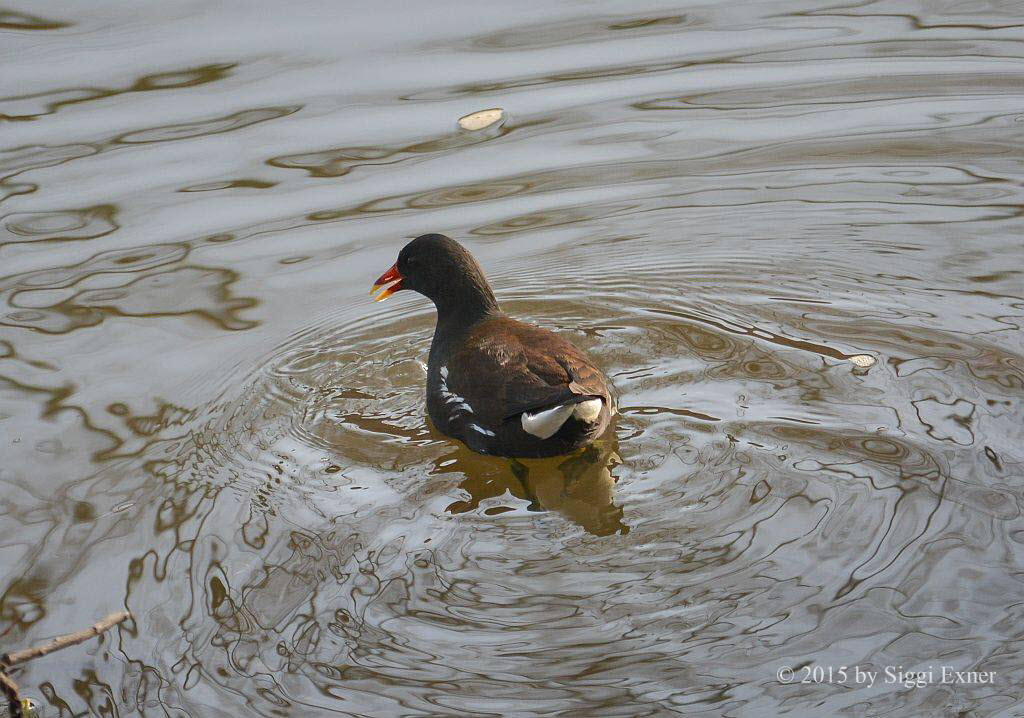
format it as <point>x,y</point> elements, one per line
<point>579,486</point>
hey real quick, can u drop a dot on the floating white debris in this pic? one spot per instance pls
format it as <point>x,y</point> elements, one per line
<point>481,119</point>
<point>862,360</point>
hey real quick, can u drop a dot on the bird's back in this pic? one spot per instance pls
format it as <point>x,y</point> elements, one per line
<point>503,368</point>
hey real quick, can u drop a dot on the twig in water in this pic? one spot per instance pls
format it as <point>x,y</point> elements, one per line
<point>10,688</point>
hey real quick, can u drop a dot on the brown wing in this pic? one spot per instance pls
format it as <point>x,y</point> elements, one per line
<point>506,367</point>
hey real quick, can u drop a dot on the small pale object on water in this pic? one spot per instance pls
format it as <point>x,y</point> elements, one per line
<point>862,360</point>
<point>481,119</point>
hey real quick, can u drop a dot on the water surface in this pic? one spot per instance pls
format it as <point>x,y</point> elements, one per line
<point>206,420</point>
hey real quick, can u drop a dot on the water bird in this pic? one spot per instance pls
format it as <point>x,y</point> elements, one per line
<point>501,386</point>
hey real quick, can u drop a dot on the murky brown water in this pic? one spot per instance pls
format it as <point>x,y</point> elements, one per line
<point>206,420</point>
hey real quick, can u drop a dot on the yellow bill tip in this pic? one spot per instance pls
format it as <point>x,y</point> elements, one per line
<point>389,289</point>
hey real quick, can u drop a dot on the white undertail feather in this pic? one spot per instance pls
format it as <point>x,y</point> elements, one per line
<point>544,424</point>
<point>588,411</point>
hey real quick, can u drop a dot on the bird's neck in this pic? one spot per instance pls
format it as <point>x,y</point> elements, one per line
<point>465,304</point>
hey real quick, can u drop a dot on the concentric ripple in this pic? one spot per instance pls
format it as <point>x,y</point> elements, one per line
<point>321,542</point>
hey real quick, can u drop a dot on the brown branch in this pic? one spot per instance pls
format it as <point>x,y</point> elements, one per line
<point>71,639</point>
<point>10,689</point>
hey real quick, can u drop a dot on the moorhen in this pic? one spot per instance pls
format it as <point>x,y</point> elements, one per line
<point>499,385</point>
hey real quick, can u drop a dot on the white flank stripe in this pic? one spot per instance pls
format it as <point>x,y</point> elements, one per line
<point>456,404</point>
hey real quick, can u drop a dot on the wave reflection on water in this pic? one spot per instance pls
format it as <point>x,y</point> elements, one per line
<point>206,421</point>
